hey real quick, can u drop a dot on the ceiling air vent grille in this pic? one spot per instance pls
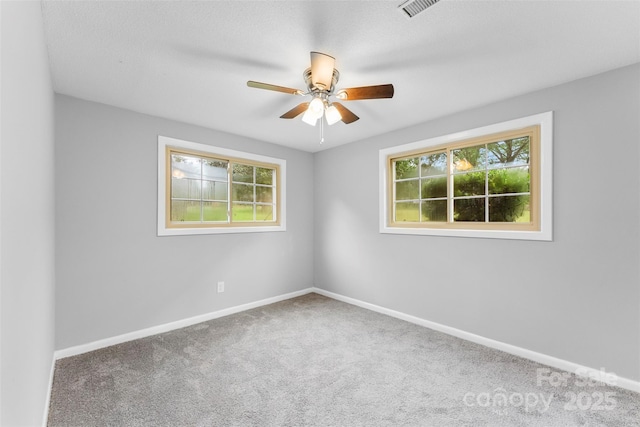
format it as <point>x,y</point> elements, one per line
<point>414,7</point>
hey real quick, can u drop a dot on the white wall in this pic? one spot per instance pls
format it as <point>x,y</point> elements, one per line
<point>114,275</point>
<point>26,216</point>
<point>576,298</point>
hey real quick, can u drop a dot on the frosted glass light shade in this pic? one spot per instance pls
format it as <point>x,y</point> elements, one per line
<point>332,115</point>
<point>309,118</point>
<point>314,111</point>
<point>316,107</point>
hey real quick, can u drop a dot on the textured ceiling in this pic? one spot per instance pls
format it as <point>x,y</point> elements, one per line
<point>190,60</point>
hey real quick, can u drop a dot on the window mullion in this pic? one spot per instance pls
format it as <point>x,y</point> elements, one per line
<point>450,186</point>
<point>201,198</point>
<point>419,190</point>
<point>229,189</point>
<point>486,183</point>
<point>392,190</point>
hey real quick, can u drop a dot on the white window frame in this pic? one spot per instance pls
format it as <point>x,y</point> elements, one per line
<point>165,142</point>
<point>544,120</point>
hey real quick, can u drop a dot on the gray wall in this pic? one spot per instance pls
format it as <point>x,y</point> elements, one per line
<point>576,298</point>
<point>26,217</point>
<point>113,274</point>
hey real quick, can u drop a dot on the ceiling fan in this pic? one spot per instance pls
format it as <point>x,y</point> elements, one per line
<point>321,79</point>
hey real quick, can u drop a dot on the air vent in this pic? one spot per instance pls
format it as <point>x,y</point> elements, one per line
<point>414,7</point>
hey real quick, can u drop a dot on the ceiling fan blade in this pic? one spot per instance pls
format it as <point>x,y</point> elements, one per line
<point>268,86</point>
<point>365,92</point>
<point>295,111</point>
<point>322,70</point>
<point>347,115</point>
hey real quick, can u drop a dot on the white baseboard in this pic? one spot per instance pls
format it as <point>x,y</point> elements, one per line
<point>554,362</point>
<point>154,330</point>
<point>45,416</point>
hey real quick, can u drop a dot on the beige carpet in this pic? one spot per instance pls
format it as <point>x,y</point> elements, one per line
<point>314,361</point>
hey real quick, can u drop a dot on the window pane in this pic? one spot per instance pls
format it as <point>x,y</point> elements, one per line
<point>264,213</point>
<point>184,166</point>
<point>264,194</point>
<point>469,158</point>
<point>185,188</point>
<point>242,212</point>
<point>468,184</point>
<point>207,191</point>
<point>434,164</point>
<point>512,152</point>
<point>510,180</point>
<point>468,210</point>
<point>509,209</point>
<point>434,210</point>
<point>214,211</point>
<point>407,168</point>
<point>242,193</point>
<point>214,190</point>
<point>182,210</point>
<point>214,169</point>
<point>242,173</point>
<point>407,212</point>
<point>407,190</point>
<point>264,176</point>
<point>434,187</point>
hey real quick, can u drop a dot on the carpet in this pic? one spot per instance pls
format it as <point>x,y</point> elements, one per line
<point>315,361</point>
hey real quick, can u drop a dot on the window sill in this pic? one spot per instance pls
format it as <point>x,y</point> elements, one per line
<point>185,231</point>
<point>485,234</point>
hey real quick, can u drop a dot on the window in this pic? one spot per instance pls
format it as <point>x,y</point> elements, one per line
<point>487,182</point>
<point>206,190</point>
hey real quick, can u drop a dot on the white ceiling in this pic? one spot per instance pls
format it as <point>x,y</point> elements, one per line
<point>190,60</point>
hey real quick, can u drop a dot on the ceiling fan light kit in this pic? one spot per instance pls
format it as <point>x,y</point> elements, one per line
<point>321,79</point>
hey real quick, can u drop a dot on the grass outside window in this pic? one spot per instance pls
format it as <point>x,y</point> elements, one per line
<point>208,190</point>
<point>213,191</point>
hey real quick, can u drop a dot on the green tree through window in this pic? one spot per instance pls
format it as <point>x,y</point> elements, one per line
<point>488,181</point>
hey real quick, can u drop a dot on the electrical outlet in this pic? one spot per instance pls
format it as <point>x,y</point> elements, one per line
<point>220,287</point>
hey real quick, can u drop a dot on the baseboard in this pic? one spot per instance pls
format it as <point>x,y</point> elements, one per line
<point>551,361</point>
<point>154,330</point>
<point>47,402</point>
